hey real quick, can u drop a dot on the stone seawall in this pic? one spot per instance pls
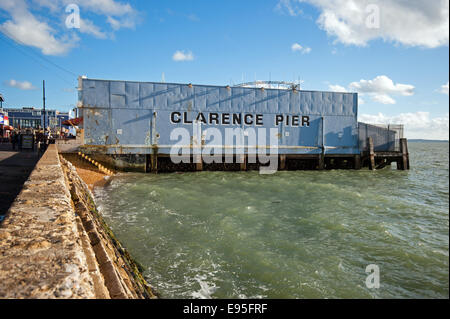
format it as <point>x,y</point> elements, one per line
<point>54,243</point>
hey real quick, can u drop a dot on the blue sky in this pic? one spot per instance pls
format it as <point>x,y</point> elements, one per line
<point>399,66</point>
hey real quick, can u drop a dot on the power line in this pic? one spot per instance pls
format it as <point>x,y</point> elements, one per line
<point>42,57</point>
<point>2,37</point>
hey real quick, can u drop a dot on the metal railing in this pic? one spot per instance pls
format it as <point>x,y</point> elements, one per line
<point>386,137</point>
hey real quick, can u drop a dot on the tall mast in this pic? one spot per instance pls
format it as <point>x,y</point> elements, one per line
<point>43,97</point>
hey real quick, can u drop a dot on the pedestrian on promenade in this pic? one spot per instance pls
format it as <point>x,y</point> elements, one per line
<point>19,140</point>
<point>14,140</point>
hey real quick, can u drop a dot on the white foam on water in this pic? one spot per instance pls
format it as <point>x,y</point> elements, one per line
<point>239,230</point>
<point>171,212</point>
<point>206,289</point>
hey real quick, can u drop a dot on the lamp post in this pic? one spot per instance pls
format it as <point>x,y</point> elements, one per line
<point>43,98</point>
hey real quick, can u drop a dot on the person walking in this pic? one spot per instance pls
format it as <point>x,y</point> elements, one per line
<point>14,140</point>
<point>19,140</point>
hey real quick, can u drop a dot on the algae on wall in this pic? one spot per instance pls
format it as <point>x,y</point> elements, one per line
<point>125,279</point>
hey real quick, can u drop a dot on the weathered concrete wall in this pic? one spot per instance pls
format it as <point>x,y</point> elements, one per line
<point>121,273</point>
<point>53,244</point>
<point>69,146</point>
<point>41,252</point>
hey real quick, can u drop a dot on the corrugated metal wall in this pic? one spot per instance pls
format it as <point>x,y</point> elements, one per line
<point>130,117</point>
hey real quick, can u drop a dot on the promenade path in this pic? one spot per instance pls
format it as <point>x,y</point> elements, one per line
<point>15,167</point>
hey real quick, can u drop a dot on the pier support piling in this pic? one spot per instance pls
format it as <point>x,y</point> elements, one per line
<point>321,161</point>
<point>154,162</point>
<point>357,162</point>
<point>243,162</point>
<point>404,164</point>
<point>283,162</point>
<point>198,162</point>
<point>371,154</point>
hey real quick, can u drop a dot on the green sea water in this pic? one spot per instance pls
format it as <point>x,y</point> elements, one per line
<point>295,234</point>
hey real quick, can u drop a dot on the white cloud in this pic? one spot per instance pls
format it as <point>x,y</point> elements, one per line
<point>104,7</point>
<point>180,56</point>
<point>118,15</point>
<point>412,23</point>
<point>117,24</point>
<point>382,98</point>
<point>380,89</point>
<point>25,85</point>
<point>417,125</point>
<point>298,48</point>
<point>337,88</point>
<point>382,84</point>
<point>444,89</point>
<point>193,17</point>
<point>50,4</point>
<point>27,28</point>
<point>88,27</point>
<point>288,6</point>
<point>37,34</point>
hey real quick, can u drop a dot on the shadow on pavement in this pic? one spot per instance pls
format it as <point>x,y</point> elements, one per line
<point>15,168</point>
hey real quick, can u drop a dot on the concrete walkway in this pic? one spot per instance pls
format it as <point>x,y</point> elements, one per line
<point>41,252</point>
<point>15,168</point>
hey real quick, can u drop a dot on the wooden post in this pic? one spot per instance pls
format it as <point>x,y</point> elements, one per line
<point>148,165</point>
<point>404,165</point>
<point>243,162</point>
<point>322,155</point>
<point>154,161</point>
<point>321,161</point>
<point>198,162</point>
<point>283,162</point>
<point>358,162</point>
<point>371,154</point>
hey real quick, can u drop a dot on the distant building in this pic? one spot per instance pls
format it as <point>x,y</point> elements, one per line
<point>5,129</point>
<point>30,117</point>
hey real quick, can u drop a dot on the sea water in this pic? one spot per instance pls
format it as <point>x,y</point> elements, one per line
<point>294,234</point>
